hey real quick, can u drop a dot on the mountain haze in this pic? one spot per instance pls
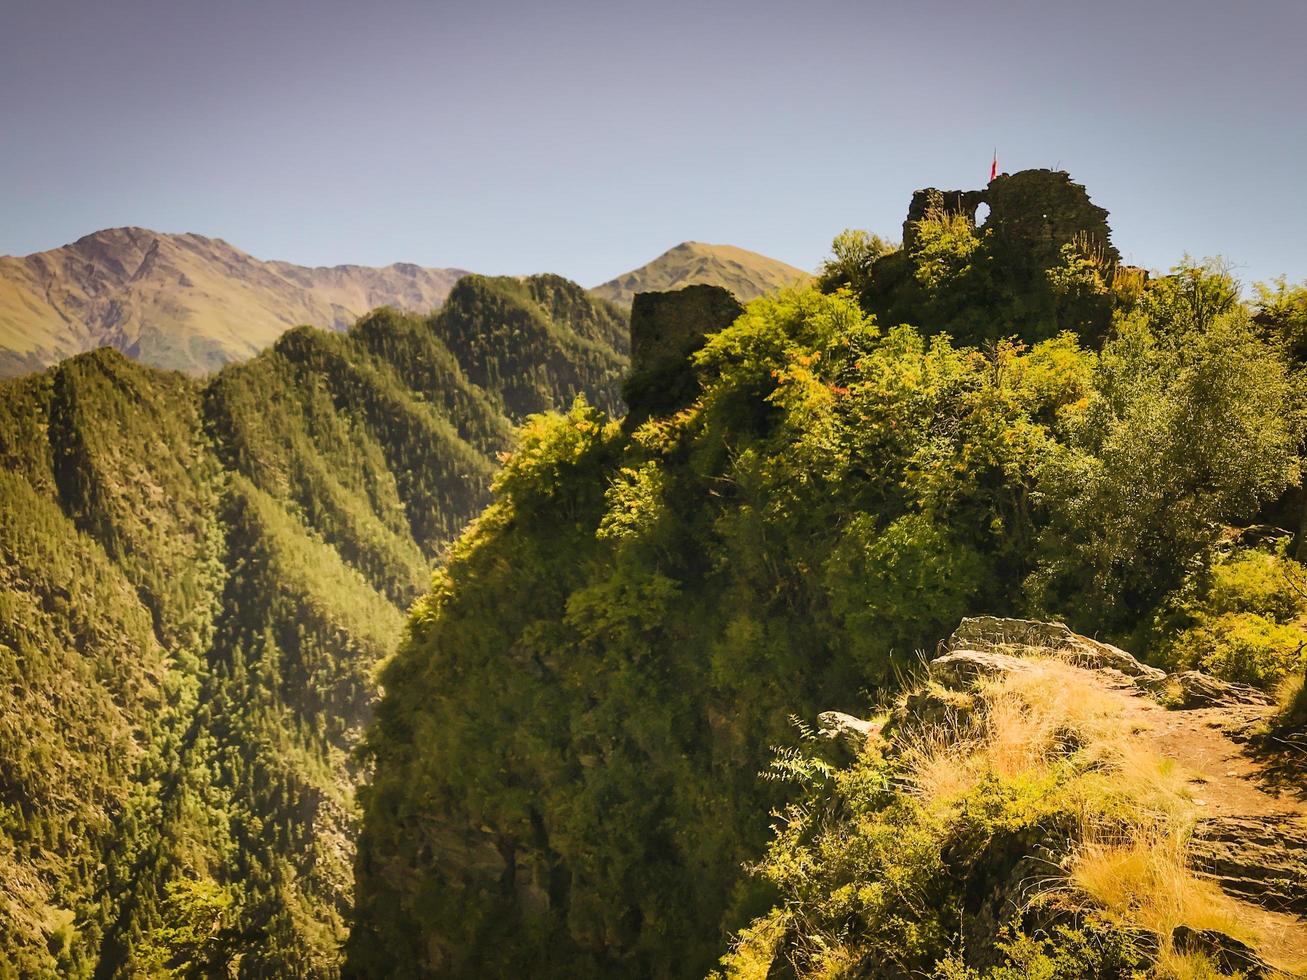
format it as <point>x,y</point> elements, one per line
<point>185,301</point>
<point>747,274</point>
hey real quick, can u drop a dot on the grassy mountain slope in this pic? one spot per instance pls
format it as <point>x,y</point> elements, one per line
<point>747,274</point>
<point>183,301</point>
<point>199,579</point>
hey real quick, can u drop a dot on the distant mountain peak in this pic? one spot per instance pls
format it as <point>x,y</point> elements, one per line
<point>184,301</point>
<point>747,274</point>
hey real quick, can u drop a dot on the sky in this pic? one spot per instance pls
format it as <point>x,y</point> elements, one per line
<point>586,137</point>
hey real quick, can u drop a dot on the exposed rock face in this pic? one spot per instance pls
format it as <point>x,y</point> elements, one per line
<point>963,669</point>
<point>846,729</point>
<point>1260,858</point>
<point>666,328</point>
<point>1198,690</point>
<point>1256,850</point>
<point>1024,636</point>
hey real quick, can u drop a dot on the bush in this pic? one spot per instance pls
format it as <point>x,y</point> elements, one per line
<point>1240,619</point>
<point>1243,647</point>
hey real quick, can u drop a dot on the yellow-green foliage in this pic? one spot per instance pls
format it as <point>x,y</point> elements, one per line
<point>871,863</point>
<point>945,245</point>
<point>587,692</point>
<point>1191,423</point>
<point>1282,312</point>
<point>1292,693</point>
<point>1246,619</point>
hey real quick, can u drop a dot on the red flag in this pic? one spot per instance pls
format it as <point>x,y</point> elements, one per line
<point>993,167</point>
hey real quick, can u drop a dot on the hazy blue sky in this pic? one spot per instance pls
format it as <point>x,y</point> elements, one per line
<point>586,137</point>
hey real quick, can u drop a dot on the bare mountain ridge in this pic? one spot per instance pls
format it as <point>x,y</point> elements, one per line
<point>184,301</point>
<point>193,303</point>
<point>747,274</point>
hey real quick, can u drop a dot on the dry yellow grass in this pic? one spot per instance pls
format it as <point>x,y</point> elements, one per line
<point>1134,806</point>
<point>1145,882</point>
<point>939,762</point>
<point>1291,695</point>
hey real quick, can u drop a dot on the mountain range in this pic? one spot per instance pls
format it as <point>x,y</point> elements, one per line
<point>184,301</point>
<point>192,303</point>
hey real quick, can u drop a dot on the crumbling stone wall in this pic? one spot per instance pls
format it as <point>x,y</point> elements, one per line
<point>951,202</point>
<point>1033,214</point>
<point>666,328</point>
<point>1027,209</point>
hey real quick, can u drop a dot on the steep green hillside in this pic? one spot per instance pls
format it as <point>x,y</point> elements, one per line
<point>199,579</point>
<point>531,340</point>
<point>746,274</point>
<point>567,754</point>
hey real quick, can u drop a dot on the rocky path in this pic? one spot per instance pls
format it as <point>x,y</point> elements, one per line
<point>1250,833</point>
<point>1251,830</point>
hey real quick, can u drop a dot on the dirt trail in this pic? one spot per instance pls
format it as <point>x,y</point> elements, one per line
<point>1227,780</point>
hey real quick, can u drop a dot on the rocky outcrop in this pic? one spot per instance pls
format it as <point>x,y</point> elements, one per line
<point>1259,858</point>
<point>1193,689</point>
<point>1022,637</point>
<point>963,669</point>
<point>853,733</point>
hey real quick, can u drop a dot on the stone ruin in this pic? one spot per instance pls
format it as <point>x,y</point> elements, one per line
<point>1027,210</point>
<point>666,328</point>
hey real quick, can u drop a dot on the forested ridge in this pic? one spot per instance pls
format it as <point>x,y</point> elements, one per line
<point>527,639</point>
<point>996,419</point>
<point>198,580</point>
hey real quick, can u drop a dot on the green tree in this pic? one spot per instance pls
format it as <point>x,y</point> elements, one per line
<point>853,253</point>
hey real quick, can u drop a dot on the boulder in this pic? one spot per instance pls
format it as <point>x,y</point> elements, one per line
<point>932,704</point>
<point>1027,636</point>
<point>963,669</point>
<point>846,729</point>
<point>1199,690</point>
